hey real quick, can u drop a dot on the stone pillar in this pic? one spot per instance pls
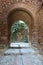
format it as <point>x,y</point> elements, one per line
<point>35,42</point>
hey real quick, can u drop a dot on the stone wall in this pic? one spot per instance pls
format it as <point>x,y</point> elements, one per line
<point>31,6</point>
<point>40,29</point>
<point>40,26</point>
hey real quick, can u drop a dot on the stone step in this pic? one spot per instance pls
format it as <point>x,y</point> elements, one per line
<point>20,44</point>
<point>19,51</point>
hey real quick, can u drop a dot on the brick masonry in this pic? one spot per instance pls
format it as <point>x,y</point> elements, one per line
<point>33,7</point>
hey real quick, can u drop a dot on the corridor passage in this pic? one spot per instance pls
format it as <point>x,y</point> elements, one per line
<point>21,55</point>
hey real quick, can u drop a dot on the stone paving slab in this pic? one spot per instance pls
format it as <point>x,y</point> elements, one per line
<point>27,50</point>
<point>10,60</point>
<point>26,56</point>
<point>18,51</point>
<point>9,51</point>
<point>32,60</point>
<point>21,60</point>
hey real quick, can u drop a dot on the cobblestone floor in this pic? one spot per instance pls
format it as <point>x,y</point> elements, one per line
<point>23,56</point>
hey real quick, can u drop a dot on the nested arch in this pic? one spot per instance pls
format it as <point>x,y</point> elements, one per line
<point>20,14</point>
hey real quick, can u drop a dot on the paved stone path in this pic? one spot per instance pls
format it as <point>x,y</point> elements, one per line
<point>21,56</point>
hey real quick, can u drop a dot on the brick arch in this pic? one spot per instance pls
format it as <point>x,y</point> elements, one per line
<point>22,6</point>
<point>23,10</point>
<point>14,14</point>
<point>27,9</point>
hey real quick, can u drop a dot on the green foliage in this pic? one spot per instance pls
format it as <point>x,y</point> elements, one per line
<point>18,26</point>
<point>13,37</point>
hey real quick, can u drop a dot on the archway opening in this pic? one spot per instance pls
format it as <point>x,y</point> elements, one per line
<point>19,32</point>
<point>16,16</point>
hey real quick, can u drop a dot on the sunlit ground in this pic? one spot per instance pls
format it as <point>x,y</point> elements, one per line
<point>21,54</point>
